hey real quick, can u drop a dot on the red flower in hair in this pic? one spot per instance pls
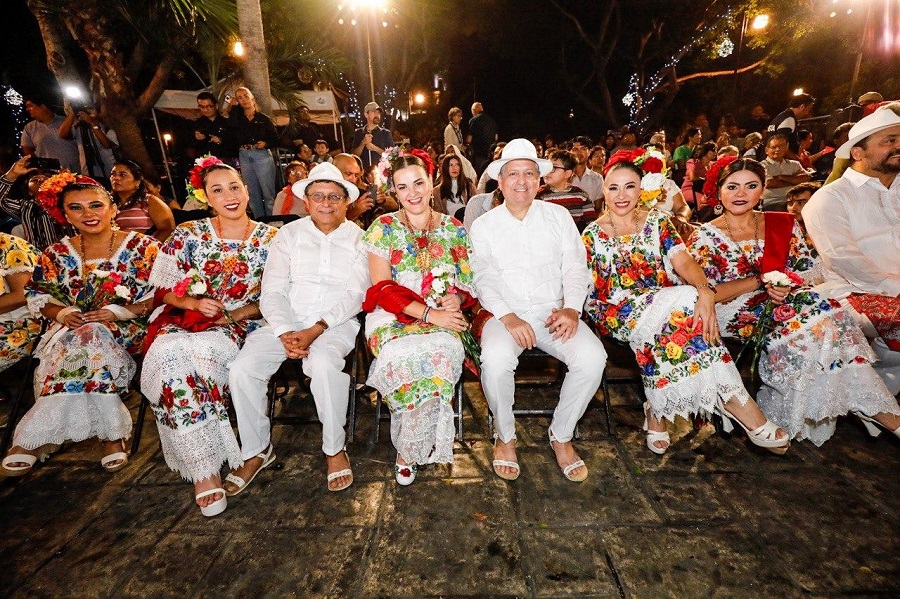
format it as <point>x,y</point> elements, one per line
<point>424,157</point>
<point>710,186</point>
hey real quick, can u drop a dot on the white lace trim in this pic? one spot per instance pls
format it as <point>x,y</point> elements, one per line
<point>60,418</point>
<point>370,248</point>
<point>699,394</point>
<point>424,435</point>
<point>166,273</point>
<point>200,451</point>
<point>36,302</point>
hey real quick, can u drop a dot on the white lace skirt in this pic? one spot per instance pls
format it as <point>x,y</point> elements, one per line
<point>79,382</point>
<point>818,373</point>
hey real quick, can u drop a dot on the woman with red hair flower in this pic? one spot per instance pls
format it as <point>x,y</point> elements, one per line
<point>208,275</point>
<point>93,288</point>
<point>816,364</point>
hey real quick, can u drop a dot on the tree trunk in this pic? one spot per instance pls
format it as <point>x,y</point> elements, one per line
<point>89,25</point>
<point>256,61</point>
<point>58,60</point>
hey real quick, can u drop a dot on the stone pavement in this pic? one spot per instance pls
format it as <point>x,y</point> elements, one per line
<point>712,518</point>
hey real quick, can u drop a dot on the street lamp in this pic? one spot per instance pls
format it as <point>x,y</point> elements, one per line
<point>369,8</point>
<point>760,22</point>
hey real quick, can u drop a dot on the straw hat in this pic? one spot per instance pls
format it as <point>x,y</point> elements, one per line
<point>518,149</point>
<point>325,172</point>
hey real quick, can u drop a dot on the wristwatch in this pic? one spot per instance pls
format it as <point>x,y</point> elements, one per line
<point>321,322</point>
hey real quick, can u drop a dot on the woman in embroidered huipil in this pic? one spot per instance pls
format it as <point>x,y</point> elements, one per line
<point>18,329</point>
<point>94,289</point>
<point>638,263</point>
<point>209,274</point>
<point>817,364</point>
<point>419,356</point>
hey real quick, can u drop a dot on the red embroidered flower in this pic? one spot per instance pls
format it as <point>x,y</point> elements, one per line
<point>168,397</point>
<point>680,338</point>
<point>241,269</point>
<point>436,250</point>
<point>784,312</point>
<point>237,290</point>
<point>662,383</point>
<point>212,267</point>
<point>396,257</point>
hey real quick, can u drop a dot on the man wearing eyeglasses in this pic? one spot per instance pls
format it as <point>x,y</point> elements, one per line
<point>209,129</point>
<point>312,290</point>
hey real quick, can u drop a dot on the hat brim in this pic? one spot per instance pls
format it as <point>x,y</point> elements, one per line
<point>493,169</point>
<point>844,150</point>
<point>299,188</point>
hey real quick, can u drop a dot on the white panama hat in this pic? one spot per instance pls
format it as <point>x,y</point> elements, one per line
<point>518,149</point>
<point>882,118</point>
<point>325,172</point>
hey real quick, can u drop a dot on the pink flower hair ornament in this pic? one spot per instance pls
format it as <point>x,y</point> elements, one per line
<point>384,170</point>
<point>195,179</point>
<point>48,194</point>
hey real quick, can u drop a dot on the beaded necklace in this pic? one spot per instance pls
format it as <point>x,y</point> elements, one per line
<point>623,251</point>
<point>109,252</point>
<point>230,262</point>
<point>755,234</point>
<point>421,242</point>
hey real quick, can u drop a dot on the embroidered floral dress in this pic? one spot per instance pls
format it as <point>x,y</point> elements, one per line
<point>638,298</point>
<point>817,363</point>
<point>84,373</point>
<point>417,365</point>
<point>18,329</point>
<point>185,374</point>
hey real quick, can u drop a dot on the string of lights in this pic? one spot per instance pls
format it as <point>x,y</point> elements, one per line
<point>16,104</point>
<point>639,99</point>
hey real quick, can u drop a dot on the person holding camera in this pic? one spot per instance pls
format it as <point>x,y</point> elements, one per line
<point>40,136</point>
<point>18,187</point>
<point>95,142</point>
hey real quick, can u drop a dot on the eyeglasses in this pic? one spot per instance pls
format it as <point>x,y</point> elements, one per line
<point>560,168</point>
<point>333,198</point>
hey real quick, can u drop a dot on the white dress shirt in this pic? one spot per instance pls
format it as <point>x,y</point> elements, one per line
<point>529,265</point>
<point>854,223</point>
<point>310,276</point>
<point>591,183</point>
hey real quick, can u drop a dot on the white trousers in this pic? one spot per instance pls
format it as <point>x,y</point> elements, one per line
<point>261,357</point>
<point>583,354</point>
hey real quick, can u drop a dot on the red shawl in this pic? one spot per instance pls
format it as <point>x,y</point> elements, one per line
<point>779,229</point>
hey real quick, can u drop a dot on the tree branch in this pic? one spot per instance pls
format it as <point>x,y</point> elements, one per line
<point>157,84</point>
<point>749,67</point>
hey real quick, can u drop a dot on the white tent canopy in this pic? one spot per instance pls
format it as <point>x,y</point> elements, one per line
<point>322,106</point>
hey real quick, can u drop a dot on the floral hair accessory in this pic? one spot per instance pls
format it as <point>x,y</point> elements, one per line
<point>195,180</point>
<point>653,164</point>
<point>384,170</point>
<point>710,186</point>
<point>48,194</point>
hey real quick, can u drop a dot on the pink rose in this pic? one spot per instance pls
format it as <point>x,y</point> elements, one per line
<point>784,312</point>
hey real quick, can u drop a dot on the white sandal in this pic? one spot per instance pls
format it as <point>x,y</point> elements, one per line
<point>497,464</point>
<point>873,426</point>
<point>764,436</point>
<point>655,436</point>
<point>107,460</point>
<point>41,453</point>
<point>216,507</point>
<point>267,457</point>
<point>345,472</point>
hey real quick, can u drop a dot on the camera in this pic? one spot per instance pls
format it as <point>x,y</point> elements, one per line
<point>48,164</point>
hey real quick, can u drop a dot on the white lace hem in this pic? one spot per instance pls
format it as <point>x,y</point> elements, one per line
<point>424,435</point>
<point>60,418</point>
<point>207,354</point>
<point>200,451</point>
<point>699,394</point>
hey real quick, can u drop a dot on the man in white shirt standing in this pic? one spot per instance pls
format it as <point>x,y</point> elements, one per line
<point>854,223</point>
<point>781,173</point>
<point>531,273</point>
<point>312,290</point>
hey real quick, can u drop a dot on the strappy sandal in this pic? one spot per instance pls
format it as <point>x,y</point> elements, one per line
<point>497,464</point>
<point>334,475</point>
<point>267,458</point>
<point>567,470</point>
<point>765,435</point>
<point>40,454</point>
<point>216,507</point>
<point>405,473</point>
<point>655,436</point>
<point>119,456</point>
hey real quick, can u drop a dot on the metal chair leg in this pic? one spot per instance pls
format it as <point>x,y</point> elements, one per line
<point>139,425</point>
